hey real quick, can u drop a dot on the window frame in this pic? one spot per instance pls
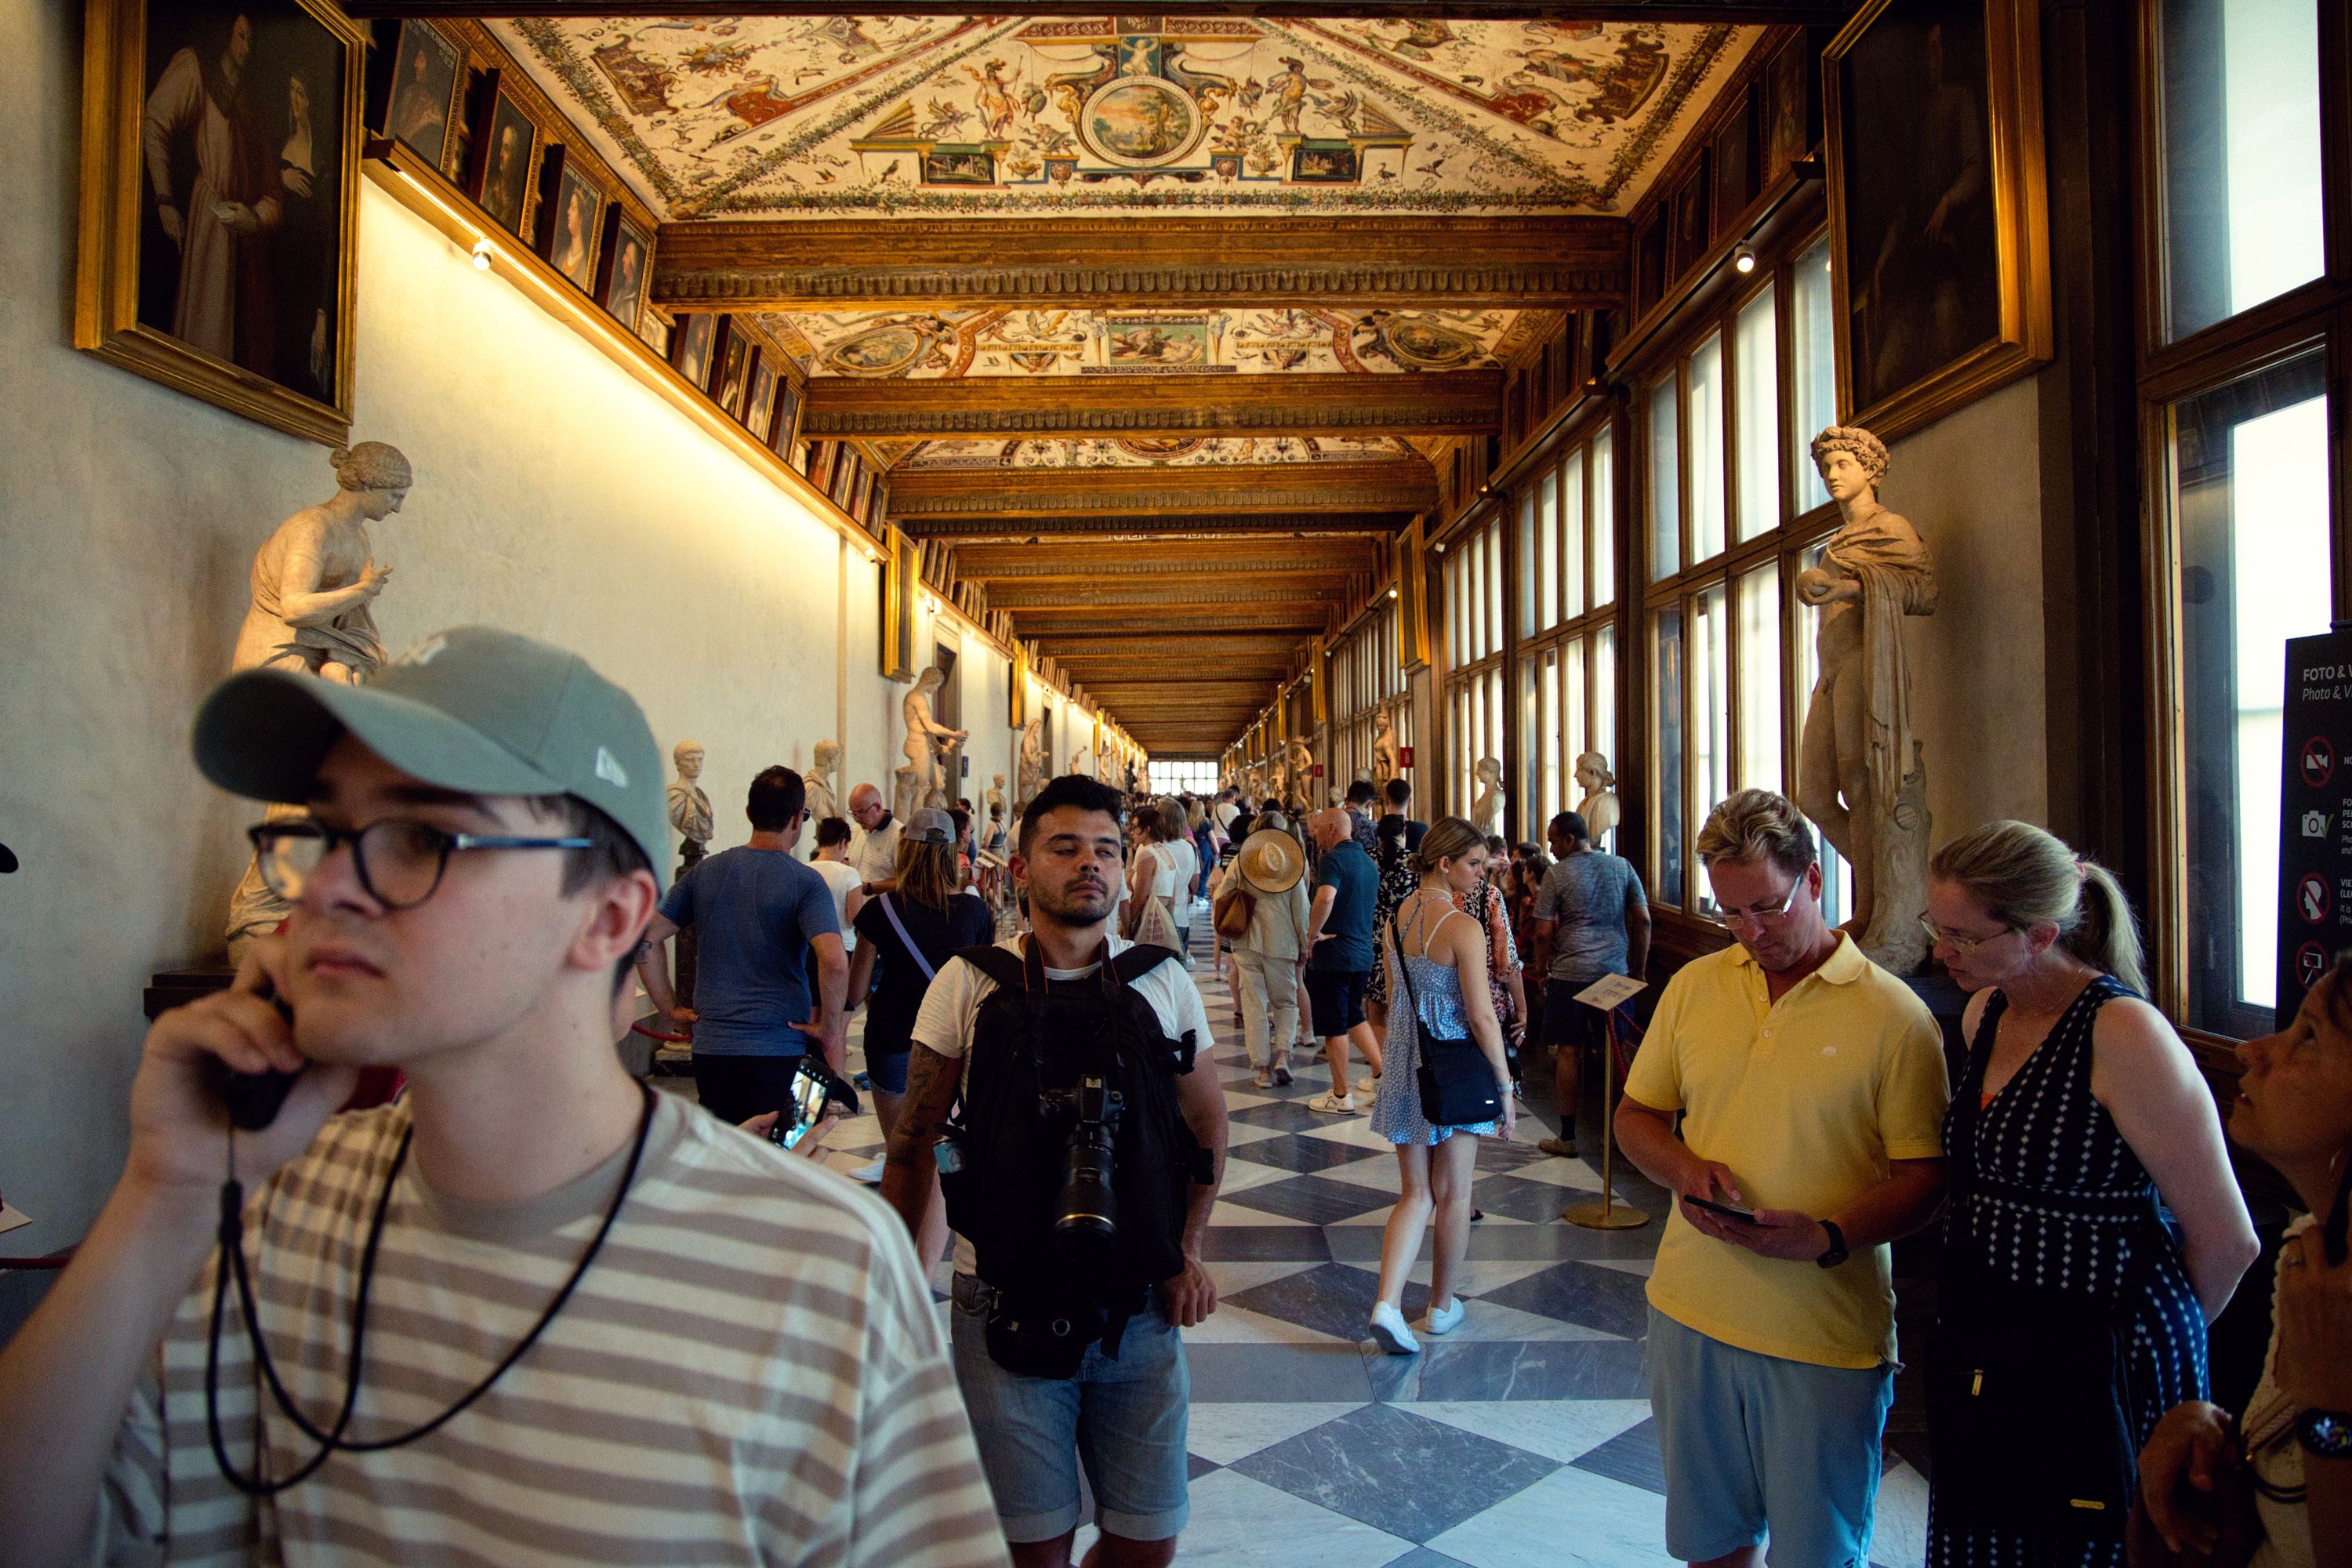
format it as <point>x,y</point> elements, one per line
<point>1588,443</point>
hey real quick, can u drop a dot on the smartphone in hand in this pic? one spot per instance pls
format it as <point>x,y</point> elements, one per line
<point>1744,1216</point>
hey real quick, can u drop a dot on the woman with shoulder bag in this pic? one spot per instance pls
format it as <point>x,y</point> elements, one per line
<point>2273,1488</point>
<point>1446,1084</point>
<point>1149,917</point>
<point>2069,1320</point>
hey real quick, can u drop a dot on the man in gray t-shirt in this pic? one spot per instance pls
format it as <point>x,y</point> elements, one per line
<point>1591,920</point>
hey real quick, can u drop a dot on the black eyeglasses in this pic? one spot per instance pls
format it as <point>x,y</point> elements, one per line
<point>400,861</point>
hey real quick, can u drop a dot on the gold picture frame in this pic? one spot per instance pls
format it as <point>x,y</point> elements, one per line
<point>121,218</point>
<point>1952,261</point>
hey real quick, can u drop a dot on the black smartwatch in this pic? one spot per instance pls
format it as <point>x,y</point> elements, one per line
<point>2326,1433</point>
<point>1837,1253</point>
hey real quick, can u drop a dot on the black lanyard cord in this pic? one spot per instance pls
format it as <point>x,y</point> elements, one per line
<point>331,1441</point>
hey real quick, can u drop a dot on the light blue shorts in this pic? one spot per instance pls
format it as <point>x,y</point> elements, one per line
<point>1123,1419</point>
<point>1757,1444</point>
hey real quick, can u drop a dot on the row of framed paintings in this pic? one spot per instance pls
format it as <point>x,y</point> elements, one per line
<point>747,378</point>
<point>220,160</point>
<point>466,123</point>
<point>850,483</point>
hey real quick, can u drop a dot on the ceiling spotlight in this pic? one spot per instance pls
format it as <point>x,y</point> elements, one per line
<point>482,254</point>
<point>1743,258</point>
<point>1392,593</point>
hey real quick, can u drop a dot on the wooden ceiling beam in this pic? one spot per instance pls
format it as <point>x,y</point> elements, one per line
<point>1141,598</point>
<point>846,264</point>
<point>1151,528</point>
<point>1089,563</point>
<point>1455,403</point>
<point>1746,13</point>
<point>1376,484</point>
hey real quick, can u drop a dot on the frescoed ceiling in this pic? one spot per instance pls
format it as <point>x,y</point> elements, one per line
<point>1163,328</point>
<point>1238,340</point>
<point>907,117</point>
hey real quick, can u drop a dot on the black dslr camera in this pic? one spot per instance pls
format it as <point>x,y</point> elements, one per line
<point>1085,1214</point>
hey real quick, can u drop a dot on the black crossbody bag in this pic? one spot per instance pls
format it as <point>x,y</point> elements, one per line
<point>1456,1080</point>
<point>2029,1392</point>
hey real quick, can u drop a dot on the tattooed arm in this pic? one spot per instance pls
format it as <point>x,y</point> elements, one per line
<point>908,1172</point>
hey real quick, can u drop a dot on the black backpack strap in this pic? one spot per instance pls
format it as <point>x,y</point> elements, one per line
<point>1140,960</point>
<point>1004,968</point>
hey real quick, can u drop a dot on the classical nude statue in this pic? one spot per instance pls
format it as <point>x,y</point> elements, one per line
<point>822,801</point>
<point>1384,746</point>
<point>928,744</point>
<point>314,582</point>
<point>995,798</point>
<point>1254,786</point>
<point>1298,757</point>
<point>1599,807</point>
<point>1486,804</point>
<point>1082,762</point>
<point>690,808</point>
<point>314,579</point>
<point>1859,771</point>
<point>1031,765</point>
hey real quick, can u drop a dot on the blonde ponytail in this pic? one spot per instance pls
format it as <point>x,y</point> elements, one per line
<point>2025,876</point>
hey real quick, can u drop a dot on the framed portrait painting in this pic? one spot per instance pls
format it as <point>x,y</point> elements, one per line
<point>689,346</point>
<point>786,437</point>
<point>574,223</point>
<point>506,159</point>
<point>760,407</point>
<point>1939,212</point>
<point>628,262</point>
<point>219,179</point>
<point>427,81</point>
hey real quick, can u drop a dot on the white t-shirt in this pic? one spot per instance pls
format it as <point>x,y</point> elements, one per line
<point>1226,812</point>
<point>875,855</point>
<point>1188,866</point>
<point>945,1023</point>
<point>842,880</point>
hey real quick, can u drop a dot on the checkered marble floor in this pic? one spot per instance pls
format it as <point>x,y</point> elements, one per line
<point>1523,1438</point>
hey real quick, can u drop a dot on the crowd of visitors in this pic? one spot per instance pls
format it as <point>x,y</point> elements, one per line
<point>588,1290</point>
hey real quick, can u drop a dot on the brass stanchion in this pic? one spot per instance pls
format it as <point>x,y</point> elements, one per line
<point>1607,1215</point>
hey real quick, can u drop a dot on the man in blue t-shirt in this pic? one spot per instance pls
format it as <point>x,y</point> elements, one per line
<point>1591,920</point>
<point>1340,945</point>
<point>758,913</point>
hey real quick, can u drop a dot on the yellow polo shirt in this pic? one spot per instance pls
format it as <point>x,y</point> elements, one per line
<point>1805,1100</point>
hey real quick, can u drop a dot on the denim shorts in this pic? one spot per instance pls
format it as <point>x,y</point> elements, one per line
<point>1123,1419</point>
<point>1757,1443</point>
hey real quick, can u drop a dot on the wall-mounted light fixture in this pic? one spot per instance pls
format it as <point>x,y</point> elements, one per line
<point>482,254</point>
<point>1743,258</point>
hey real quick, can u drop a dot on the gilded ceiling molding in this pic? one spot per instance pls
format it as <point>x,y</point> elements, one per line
<point>1010,498</point>
<point>1155,530</point>
<point>1471,281</point>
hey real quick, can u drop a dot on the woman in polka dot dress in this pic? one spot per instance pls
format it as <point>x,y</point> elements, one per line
<point>2090,1104</point>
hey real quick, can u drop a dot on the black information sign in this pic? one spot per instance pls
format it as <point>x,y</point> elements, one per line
<point>2315,816</point>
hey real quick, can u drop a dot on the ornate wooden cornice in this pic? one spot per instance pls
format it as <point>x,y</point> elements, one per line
<point>1080,568</point>
<point>1459,403</point>
<point>1183,590</point>
<point>1512,263</point>
<point>1396,485</point>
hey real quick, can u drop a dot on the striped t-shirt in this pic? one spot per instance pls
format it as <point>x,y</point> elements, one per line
<point>751,1372</point>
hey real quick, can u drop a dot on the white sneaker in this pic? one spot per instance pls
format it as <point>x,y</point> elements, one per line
<point>869,1175</point>
<point>1389,1332</point>
<point>1444,1322</point>
<point>1282,1075</point>
<point>1334,1104</point>
<point>1264,1078</point>
<point>1369,1084</point>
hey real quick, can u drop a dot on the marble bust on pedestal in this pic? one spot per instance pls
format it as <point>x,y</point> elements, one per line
<point>690,808</point>
<point>1486,804</point>
<point>1599,808</point>
<point>1860,770</point>
<point>822,801</point>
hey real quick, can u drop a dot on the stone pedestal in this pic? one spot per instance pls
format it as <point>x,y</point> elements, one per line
<point>683,945</point>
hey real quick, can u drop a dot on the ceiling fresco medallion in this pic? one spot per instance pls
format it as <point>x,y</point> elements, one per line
<point>865,116</point>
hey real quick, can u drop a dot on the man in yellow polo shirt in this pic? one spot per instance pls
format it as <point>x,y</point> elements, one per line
<point>1812,1088</point>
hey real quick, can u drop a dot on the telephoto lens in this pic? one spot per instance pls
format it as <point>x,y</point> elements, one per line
<point>1085,1216</point>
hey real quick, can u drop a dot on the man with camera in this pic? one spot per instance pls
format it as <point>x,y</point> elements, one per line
<point>1052,1081</point>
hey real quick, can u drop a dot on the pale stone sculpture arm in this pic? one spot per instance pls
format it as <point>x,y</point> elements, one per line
<point>301,601</point>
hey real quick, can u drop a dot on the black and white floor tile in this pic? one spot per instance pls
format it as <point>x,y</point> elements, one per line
<point>1520,1440</point>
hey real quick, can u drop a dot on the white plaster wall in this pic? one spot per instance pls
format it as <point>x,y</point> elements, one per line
<point>554,495</point>
<point>1971,484</point>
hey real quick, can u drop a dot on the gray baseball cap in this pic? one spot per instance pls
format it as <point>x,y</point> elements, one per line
<point>472,708</point>
<point>930,826</point>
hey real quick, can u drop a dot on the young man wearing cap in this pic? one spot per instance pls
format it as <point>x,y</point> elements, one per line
<point>760,914</point>
<point>530,1313</point>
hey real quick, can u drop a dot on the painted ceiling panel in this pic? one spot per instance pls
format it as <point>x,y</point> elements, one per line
<point>1239,340</point>
<point>1145,453</point>
<point>914,117</point>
